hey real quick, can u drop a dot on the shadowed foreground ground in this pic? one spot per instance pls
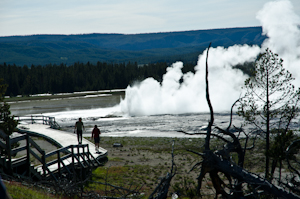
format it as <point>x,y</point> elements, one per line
<point>140,164</point>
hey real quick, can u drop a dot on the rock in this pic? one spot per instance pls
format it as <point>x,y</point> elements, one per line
<point>118,145</point>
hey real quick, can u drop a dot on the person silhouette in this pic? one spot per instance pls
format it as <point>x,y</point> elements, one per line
<point>96,135</point>
<point>79,127</point>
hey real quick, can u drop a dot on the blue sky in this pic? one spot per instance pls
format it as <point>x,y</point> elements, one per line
<point>26,17</point>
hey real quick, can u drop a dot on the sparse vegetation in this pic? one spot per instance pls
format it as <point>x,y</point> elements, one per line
<point>17,190</point>
<point>146,160</point>
<point>129,172</point>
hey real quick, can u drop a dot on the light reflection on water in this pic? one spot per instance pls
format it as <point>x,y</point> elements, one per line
<point>105,112</point>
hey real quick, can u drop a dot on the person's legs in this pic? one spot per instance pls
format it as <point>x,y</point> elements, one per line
<point>96,143</point>
<point>79,136</point>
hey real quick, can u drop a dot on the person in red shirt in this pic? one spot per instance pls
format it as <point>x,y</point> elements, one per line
<point>96,135</point>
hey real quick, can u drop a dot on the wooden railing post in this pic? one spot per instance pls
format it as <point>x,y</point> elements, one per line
<point>28,154</point>
<point>73,155</point>
<point>78,155</point>
<point>88,154</point>
<point>8,152</point>
<point>58,162</point>
<point>31,119</point>
<point>44,163</point>
<point>83,154</point>
<point>91,158</point>
<point>78,152</point>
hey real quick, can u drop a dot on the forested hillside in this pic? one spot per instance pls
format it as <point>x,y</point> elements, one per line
<point>121,48</point>
<point>67,63</point>
<point>77,77</point>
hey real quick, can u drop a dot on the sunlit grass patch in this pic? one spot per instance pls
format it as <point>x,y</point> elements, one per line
<point>17,190</point>
<point>142,177</point>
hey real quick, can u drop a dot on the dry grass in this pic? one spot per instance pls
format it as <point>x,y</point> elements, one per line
<point>141,162</point>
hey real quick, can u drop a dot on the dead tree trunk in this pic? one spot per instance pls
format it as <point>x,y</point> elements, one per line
<point>219,162</point>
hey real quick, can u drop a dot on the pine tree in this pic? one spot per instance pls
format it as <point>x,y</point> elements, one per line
<point>270,100</point>
<point>7,122</point>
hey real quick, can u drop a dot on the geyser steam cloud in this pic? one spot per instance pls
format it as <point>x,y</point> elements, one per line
<point>281,25</point>
<point>149,97</point>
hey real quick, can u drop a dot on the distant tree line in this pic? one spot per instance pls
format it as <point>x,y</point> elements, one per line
<point>78,76</point>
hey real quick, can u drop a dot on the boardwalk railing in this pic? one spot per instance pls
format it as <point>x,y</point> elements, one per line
<point>39,119</point>
<point>67,160</point>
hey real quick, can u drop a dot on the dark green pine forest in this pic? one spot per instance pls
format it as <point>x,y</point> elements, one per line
<point>84,77</point>
<point>77,77</point>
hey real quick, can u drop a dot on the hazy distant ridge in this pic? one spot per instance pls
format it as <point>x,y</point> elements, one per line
<point>143,48</point>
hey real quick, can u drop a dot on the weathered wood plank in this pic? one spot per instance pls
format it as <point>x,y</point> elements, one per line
<point>17,139</point>
<point>35,145</point>
<point>16,150</point>
<point>36,156</point>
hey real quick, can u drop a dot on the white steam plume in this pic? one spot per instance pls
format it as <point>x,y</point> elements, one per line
<point>149,97</point>
<point>281,25</point>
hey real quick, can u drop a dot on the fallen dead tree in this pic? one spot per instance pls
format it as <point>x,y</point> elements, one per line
<point>229,178</point>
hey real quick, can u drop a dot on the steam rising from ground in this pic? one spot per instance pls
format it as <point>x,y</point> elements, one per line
<point>281,25</point>
<point>150,97</point>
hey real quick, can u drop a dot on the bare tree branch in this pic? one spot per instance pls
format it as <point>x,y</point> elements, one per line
<point>207,139</point>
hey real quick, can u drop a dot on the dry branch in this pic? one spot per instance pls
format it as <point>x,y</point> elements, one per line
<point>217,162</point>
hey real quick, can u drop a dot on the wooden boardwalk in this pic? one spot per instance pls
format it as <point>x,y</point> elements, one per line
<point>69,159</point>
<point>60,138</point>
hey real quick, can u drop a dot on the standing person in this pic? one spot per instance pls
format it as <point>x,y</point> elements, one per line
<point>96,135</point>
<point>79,126</point>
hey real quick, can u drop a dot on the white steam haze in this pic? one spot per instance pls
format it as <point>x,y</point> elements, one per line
<point>150,97</point>
<point>281,25</point>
